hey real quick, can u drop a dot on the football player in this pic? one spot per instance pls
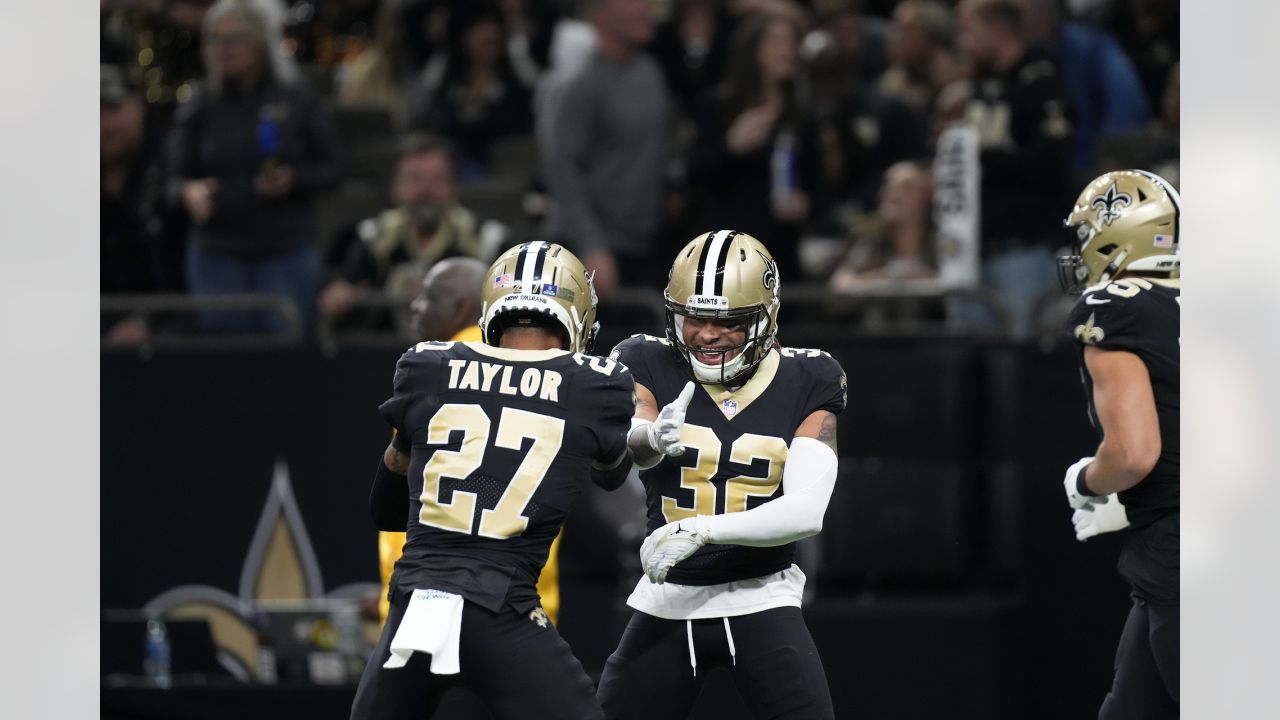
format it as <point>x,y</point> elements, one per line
<point>736,440</point>
<point>497,439</point>
<point>1126,262</point>
<point>447,309</point>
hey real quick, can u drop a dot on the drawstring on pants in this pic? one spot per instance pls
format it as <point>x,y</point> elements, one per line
<point>693,656</point>
<point>693,659</point>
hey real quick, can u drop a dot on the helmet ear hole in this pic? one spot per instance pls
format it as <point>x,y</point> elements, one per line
<point>1107,249</point>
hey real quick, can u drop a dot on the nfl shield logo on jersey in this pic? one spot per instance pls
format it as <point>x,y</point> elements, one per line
<point>730,408</point>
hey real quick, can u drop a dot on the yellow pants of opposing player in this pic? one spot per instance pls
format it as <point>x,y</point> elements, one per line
<point>391,546</point>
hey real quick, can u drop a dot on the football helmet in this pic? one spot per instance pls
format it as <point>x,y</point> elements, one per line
<point>540,284</point>
<point>730,276</point>
<point>1123,221</point>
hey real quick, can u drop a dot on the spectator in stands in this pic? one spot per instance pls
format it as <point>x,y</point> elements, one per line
<point>1106,93</point>
<point>1149,31</point>
<point>920,28</point>
<point>1020,109</point>
<point>157,45</point>
<point>896,242</point>
<point>530,26</point>
<point>393,250</point>
<point>753,165</point>
<point>1155,146</point>
<point>479,97</point>
<point>601,128</point>
<point>133,218</point>
<point>247,156</point>
<point>692,46</point>
<point>377,77</point>
<point>861,132</point>
<point>135,226</point>
<point>858,39</point>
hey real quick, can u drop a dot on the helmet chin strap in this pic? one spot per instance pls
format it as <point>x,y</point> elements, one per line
<point>717,374</point>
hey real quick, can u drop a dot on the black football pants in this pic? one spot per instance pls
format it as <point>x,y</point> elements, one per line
<point>519,669</point>
<point>775,666</point>
<point>1146,682</point>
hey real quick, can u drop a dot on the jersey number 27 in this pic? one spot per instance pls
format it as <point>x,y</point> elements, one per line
<point>458,514</point>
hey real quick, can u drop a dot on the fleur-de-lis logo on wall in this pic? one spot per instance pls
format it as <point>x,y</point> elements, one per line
<point>1109,204</point>
<point>280,565</point>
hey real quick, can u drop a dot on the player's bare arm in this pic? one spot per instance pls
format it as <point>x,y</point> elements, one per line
<point>1126,409</point>
<point>396,461</point>
<point>821,426</point>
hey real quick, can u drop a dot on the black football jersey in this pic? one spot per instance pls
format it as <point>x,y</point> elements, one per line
<point>1141,317</point>
<point>501,444</point>
<point>736,446</point>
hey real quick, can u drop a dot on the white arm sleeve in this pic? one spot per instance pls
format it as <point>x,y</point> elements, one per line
<point>807,482</point>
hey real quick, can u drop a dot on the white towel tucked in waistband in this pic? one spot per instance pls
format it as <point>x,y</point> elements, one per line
<point>431,624</point>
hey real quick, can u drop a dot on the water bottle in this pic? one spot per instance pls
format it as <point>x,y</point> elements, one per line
<point>783,167</point>
<point>268,137</point>
<point>267,672</point>
<point>156,654</point>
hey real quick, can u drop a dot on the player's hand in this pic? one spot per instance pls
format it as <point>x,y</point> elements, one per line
<point>1074,498</point>
<point>1102,514</point>
<point>669,545</point>
<point>664,433</point>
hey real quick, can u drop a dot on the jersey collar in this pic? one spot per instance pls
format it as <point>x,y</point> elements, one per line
<point>739,399</point>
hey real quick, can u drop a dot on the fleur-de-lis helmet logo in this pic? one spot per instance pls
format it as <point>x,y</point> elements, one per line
<point>1109,204</point>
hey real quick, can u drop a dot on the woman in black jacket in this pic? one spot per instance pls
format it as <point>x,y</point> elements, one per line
<point>752,166</point>
<point>248,154</point>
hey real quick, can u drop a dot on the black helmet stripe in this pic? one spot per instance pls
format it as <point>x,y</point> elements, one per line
<point>702,263</point>
<point>524,252</point>
<point>538,264</point>
<point>722,261</point>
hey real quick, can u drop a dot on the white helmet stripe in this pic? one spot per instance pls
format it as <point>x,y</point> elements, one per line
<point>530,264</point>
<point>712,255</point>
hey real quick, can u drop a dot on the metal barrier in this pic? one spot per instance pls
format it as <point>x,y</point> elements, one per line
<point>332,337</point>
<point>186,335</point>
<point>643,309</point>
<point>833,309</point>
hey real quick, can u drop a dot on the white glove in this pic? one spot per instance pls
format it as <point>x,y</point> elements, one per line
<point>670,544</point>
<point>663,434</point>
<point>1074,498</point>
<point>1100,515</point>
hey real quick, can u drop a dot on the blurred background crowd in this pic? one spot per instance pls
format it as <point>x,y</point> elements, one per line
<point>328,152</point>
<point>282,175</point>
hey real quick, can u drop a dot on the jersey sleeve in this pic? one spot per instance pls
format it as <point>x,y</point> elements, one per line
<point>828,387</point>
<point>1110,318</point>
<point>613,397</point>
<point>412,382</point>
<point>634,353</point>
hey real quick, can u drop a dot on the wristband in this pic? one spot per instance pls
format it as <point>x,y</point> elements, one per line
<point>1082,487</point>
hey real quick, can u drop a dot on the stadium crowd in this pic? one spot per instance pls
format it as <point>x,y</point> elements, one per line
<point>330,151</point>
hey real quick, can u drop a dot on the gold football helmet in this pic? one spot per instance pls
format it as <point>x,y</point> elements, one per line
<point>540,284</point>
<point>724,275</point>
<point>1124,221</point>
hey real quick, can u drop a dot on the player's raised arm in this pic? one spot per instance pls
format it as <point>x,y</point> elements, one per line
<point>655,433</point>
